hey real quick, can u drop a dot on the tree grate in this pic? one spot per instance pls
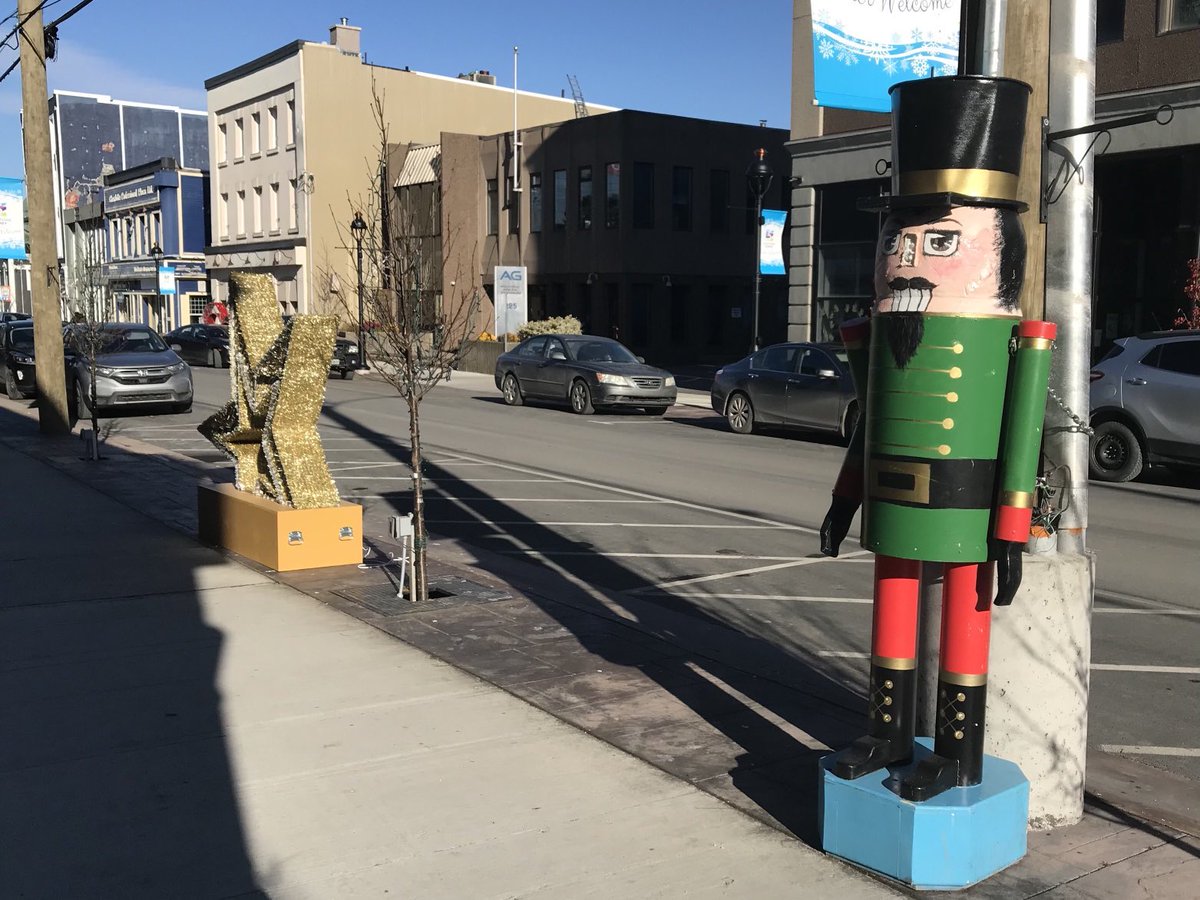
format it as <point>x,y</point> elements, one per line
<point>444,591</point>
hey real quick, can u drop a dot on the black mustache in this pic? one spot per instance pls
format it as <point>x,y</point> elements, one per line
<point>902,283</point>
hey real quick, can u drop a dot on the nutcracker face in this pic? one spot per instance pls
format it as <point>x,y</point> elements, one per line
<point>964,260</point>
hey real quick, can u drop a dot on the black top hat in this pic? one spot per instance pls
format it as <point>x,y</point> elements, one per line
<point>956,141</point>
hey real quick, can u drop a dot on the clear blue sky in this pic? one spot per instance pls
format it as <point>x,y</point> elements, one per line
<point>714,59</point>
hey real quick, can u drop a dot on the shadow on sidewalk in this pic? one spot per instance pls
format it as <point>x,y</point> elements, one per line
<point>684,689</point>
<point>116,779</point>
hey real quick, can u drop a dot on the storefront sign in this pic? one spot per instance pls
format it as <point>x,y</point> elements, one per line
<point>770,259</point>
<point>512,299</point>
<point>862,47</point>
<point>125,196</point>
<point>12,219</point>
<point>146,269</point>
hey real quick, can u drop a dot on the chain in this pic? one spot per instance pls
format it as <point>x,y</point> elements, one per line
<point>1080,425</point>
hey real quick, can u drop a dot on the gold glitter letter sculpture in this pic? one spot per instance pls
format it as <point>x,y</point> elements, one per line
<point>278,372</point>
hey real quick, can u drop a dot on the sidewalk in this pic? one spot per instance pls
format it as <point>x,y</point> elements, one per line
<point>466,790</point>
<point>180,725</point>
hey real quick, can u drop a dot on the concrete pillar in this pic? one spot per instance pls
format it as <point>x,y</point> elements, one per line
<point>1038,685</point>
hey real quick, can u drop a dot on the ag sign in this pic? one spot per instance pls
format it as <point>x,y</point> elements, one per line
<point>512,299</point>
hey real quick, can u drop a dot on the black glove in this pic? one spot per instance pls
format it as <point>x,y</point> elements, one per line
<point>837,524</point>
<point>1008,570</point>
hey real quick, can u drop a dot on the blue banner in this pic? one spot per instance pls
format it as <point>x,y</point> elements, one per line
<point>862,47</point>
<point>12,219</point>
<point>770,259</point>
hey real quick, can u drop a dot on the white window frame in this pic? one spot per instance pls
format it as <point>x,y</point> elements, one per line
<point>239,138</point>
<point>273,208</point>
<point>293,203</point>
<point>291,123</point>
<point>272,129</point>
<point>258,210</point>
<point>255,133</point>
<point>241,214</point>
<point>222,144</point>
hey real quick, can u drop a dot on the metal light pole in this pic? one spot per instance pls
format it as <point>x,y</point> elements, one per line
<point>759,176</point>
<point>157,253</point>
<point>358,228</point>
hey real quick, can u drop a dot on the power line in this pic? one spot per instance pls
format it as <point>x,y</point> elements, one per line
<point>52,28</point>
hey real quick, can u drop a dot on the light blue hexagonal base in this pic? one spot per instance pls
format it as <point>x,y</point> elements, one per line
<point>955,840</point>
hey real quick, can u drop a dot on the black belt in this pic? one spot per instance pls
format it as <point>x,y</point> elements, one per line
<point>932,483</point>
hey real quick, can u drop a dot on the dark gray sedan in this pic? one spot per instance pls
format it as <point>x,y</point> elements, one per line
<point>585,372</point>
<point>800,384</point>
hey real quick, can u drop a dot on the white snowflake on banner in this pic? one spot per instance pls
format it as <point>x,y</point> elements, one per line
<point>847,56</point>
<point>826,48</point>
<point>919,66</point>
<point>889,66</point>
<point>876,52</point>
<point>946,71</point>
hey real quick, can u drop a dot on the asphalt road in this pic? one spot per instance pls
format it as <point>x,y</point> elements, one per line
<point>680,510</point>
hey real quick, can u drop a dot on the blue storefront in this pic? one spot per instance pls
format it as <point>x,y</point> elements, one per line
<point>156,228</point>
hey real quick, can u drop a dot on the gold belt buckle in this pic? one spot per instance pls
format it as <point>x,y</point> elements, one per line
<point>902,480</point>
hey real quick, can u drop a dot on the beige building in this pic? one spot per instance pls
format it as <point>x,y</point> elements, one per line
<point>294,150</point>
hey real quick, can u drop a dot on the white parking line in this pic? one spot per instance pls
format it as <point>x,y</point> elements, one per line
<point>1146,612</point>
<point>807,561</point>
<point>509,524</point>
<point>1095,667</point>
<point>1145,750</point>
<point>731,556</point>
<point>790,598</point>
<point>538,500</point>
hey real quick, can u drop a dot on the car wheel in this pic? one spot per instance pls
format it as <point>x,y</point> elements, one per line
<point>1116,453</point>
<point>10,386</point>
<point>81,399</point>
<point>739,413</point>
<point>512,390</point>
<point>657,410</point>
<point>214,358</point>
<point>849,420</point>
<point>347,374</point>
<point>581,398</point>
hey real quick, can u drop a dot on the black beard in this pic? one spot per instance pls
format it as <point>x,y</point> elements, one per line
<point>904,333</point>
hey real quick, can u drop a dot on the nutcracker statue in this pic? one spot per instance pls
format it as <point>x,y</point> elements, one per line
<point>943,462</point>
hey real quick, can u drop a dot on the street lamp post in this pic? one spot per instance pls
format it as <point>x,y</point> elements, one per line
<point>157,253</point>
<point>358,228</point>
<point>759,176</point>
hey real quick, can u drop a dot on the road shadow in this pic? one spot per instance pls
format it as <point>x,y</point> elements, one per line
<point>117,781</point>
<point>700,696</point>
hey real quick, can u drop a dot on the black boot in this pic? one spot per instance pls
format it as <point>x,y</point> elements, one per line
<point>957,759</point>
<point>893,723</point>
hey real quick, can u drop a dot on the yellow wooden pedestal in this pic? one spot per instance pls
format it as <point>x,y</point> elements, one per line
<point>279,537</point>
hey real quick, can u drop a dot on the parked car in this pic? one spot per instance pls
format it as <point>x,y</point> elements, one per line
<point>15,317</point>
<point>1145,394</point>
<point>205,345</point>
<point>585,372</point>
<point>796,384</point>
<point>134,367</point>
<point>345,358</point>
<point>16,355</point>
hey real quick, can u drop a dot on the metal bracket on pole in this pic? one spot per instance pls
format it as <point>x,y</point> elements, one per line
<point>1070,167</point>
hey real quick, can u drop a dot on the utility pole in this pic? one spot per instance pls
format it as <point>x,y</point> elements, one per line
<point>53,415</point>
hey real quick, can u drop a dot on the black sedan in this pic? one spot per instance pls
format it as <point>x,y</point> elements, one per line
<point>16,355</point>
<point>800,384</point>
<point>202,345</point>
<point>585,372</point>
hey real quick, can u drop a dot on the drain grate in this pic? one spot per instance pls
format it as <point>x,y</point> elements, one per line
<point>444,591</point>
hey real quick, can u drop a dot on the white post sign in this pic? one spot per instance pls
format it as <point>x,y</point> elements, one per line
<point>512,299</point>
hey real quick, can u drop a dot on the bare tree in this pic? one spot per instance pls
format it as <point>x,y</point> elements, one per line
<point>85,337</point>
<point>420,318</point>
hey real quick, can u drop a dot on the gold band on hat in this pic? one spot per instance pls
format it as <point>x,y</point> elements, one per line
<point>971,182</point>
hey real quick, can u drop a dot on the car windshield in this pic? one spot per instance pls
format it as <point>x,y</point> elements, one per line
<point>217,331</point>
<point>21,339</point>
<point>599,351</point>
<point>131,340</point>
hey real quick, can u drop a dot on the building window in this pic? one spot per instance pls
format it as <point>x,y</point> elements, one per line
<point>535,201</point>
<point>222,143</point>
<point>293,213</point>
<point>1174,15</point>
<point>639,320</point>
<point>845,255</point>
<point>493,211</point>
<point>560,199</point>
<point>156,234</point>
<point>223,217</point>
<point>241,214</point>
<point>258,210</point>
<point>585,197</point>
<point>612,195</point>
<point>274,208</point>
<point>681,198</point>
<point>272,128</point>
<point>643,195</point>
<point>718,201</point>
<point>290,122</point>
<point>255,134</point>
<point>1110,21</point>
<point>239,139</point>
<point>514,207</point>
